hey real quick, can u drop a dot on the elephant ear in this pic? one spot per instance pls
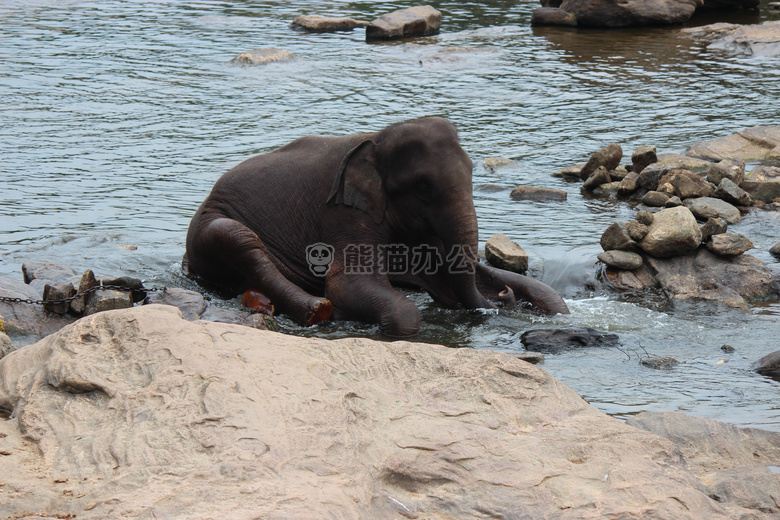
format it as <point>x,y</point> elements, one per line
<point>358,183</point>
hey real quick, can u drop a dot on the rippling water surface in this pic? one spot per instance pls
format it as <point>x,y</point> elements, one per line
<point>116,118</point>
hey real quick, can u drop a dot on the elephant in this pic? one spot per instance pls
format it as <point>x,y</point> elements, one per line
<point>329,227</point>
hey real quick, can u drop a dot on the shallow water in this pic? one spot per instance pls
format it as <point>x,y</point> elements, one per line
<point>116,118</point>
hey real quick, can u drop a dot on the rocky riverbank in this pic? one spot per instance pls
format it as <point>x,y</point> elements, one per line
<point>147,415</point>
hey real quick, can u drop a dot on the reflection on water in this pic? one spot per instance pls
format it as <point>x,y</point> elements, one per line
<point>116,118</point>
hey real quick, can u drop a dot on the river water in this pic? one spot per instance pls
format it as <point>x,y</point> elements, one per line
<point>118,116</point>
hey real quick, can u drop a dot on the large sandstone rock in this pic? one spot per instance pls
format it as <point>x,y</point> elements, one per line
<point>315,23</point>
<point>415,21</point>
<point>705,276</point>
<point>752,40</point>
<point>140,414</point>
<point>758,143</point>
<point>674,232</point>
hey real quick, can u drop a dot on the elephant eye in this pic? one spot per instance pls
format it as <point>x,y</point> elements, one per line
<point>423,189</point>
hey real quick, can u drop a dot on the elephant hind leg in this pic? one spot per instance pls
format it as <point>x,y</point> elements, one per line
<point>223,250</point>
<point>492,281</point>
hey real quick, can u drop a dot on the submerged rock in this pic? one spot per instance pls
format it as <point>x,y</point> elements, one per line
<point>554,340</point>
<point>263,56</point>
<point>156,417</point>
<point>759,143</point>
<point>747,39</point>
<point>768,365</point>
<point>314,23</point>
<point>660,363</point>
<point>535,193</point>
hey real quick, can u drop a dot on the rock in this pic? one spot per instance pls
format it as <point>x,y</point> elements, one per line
<point>705,276</point>
<point>570,172</point>
<point>713,226</point>
<point>86,283</point>
<point>655,199</point>
<point>660,363</point>
<point>749,40</point>
<point>597,178</point>
<point>537,194</point>
<point>609,157</point>
<point>505,254</point>
<point>642,157</point>
<point>530,357</point>
<point>616,238</point>
<point>607,188</point>
<point>24,322</point>
<point>650,176</point>
<point>618,174</point>
<point>552,16</point>
<point>621,260</point>
<point>555,340</point>
<point>674,160</point>
<point>145,415</point>
<point>636,230</point>
<point>628,185</point>
<point>623,13</point>
<point>727,168</point>
<point>687,184</point>
<point>741,477</point>
<point>763,173</point>
<point>314,23</point>
<point>47,272</point>
<point>708,207</point>
<point>127,282</point>
<point>775,250</point>
<point>191,303</point>
<point>673,202</point>
<point>644,217</point>
<point>636,280</point>
<point>414,21</point>
<point>728,349</point>
<point>732,193</point>
<point>759,143</point>
<point>56,296</point>
<point>490,187</point>
<point>674,232</point>
<point>263,56</point>
<point>106,300</point>
<point>729,244</point>
<point>765,191</point>
<point>494,163</point>
<point>666,187</point>
<point>6,347</point>
<point>768,365</point>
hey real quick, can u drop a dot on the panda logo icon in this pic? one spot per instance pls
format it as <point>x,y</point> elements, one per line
<point>319,256</point>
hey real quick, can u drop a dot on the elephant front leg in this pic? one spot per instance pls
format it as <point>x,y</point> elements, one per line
<point>372,299</point>
<point>224,249</point>
<point>491,282</point>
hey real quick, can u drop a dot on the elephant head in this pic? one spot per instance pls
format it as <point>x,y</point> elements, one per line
<point>414,178</point>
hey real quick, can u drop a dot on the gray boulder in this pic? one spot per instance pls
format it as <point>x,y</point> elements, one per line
<point>621,259</point>
<point>674,232</point>
<point>609,157</point>
<point>26,322</point>
<point>731,169</point>
<point>107,300</point>
<point>708,207</point>
<point>145,415</point>
<point>705,276</point>
<point>535,193</point>
<point>555,340</point>
<point>502,252</point>
<point>623,13</point>
<point>314,23</point>
<point>597,178</point>
<point>655,199</point>
<point>675,160</point>
<point>729,244</point>
<point>732,193</point>
<point>617,238</point>
<point>759,143</point>
<point>628,185</point>
<point>763,173</point>
<point>762,190</point>
<point>191,303</point>
<point>651,175</point>
<point>713,226</point>
<point>686,184</point>
<point>642,157</point>
<point>414,21</point>
<point>659,363</point>
<point>775,250</point>
<point>768,365</point>
<point>552,16</point>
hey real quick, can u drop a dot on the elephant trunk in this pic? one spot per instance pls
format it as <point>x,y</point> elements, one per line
<point>458,230</point>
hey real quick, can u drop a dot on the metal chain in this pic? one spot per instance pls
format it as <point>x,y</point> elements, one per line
<point>30,301</point>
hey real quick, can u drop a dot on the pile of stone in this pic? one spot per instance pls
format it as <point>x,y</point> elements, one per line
<point>66,296</point>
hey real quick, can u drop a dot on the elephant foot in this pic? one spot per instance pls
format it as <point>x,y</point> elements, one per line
<point>320,310</point>
<point>254,299</point>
